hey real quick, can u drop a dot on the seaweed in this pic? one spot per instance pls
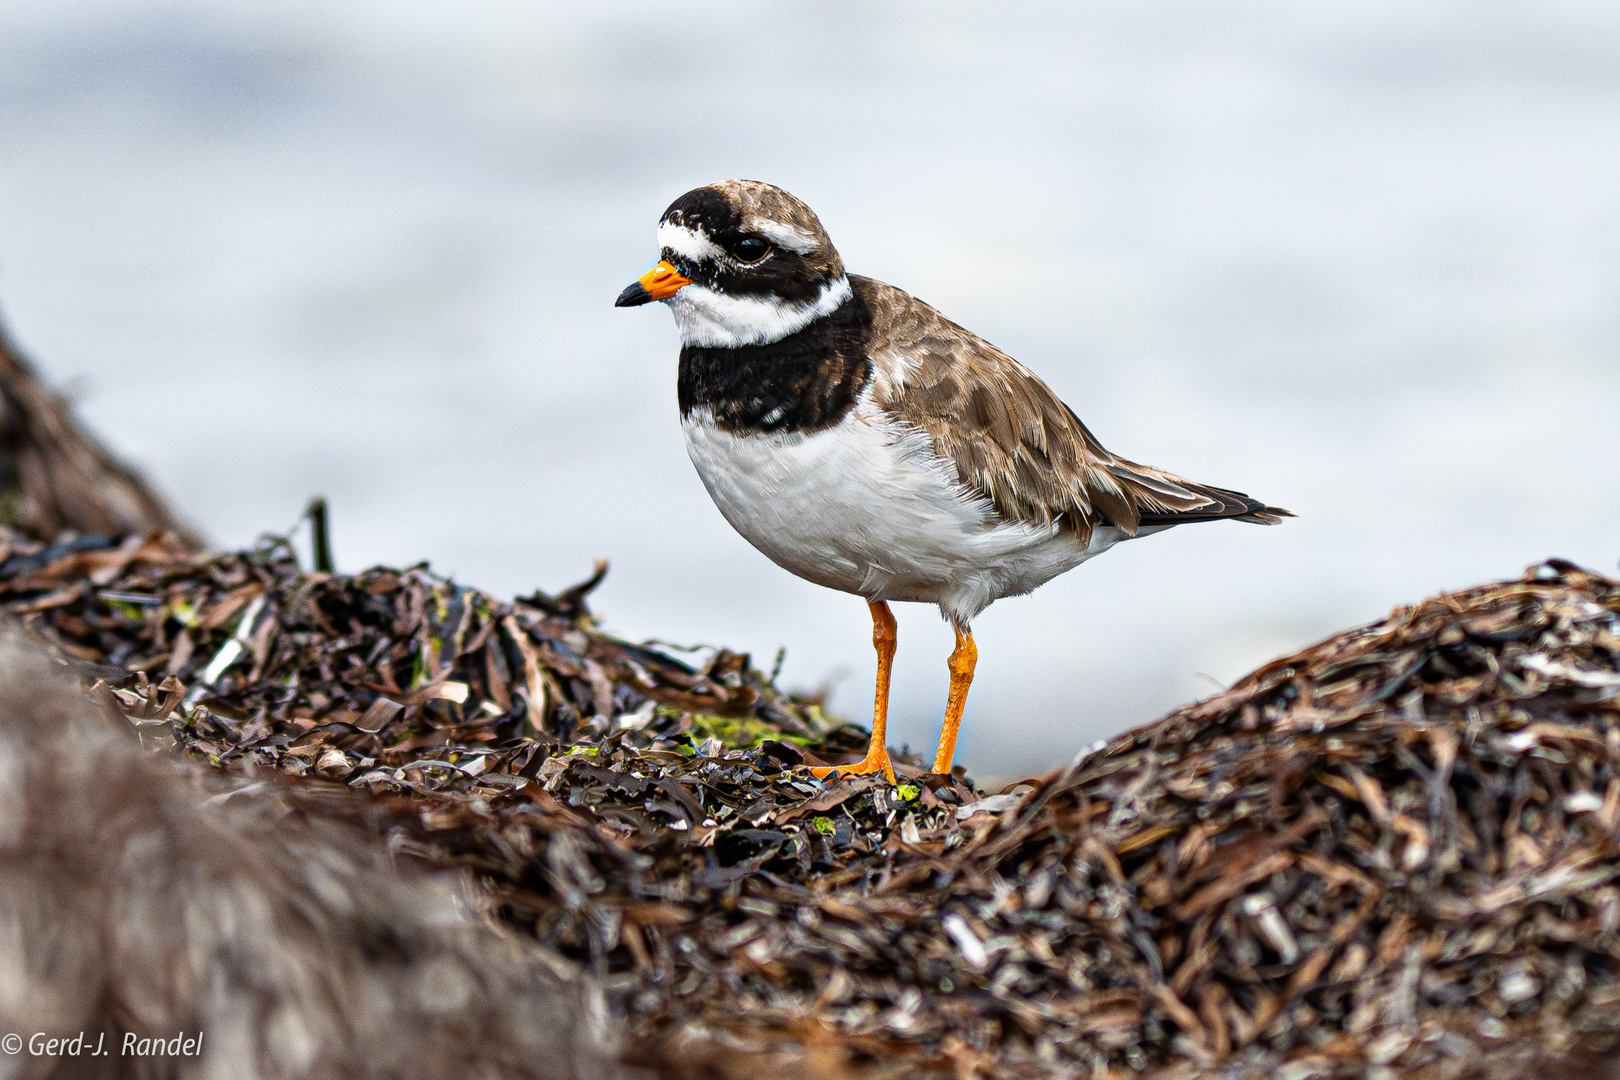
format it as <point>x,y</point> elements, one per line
<point>1392,853</point>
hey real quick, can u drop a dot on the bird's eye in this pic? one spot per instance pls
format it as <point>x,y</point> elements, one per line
<point>750,249</point>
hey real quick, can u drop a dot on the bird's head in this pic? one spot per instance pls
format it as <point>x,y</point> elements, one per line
<point>741,263</point>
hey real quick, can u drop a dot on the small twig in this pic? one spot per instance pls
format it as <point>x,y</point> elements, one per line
<point>320,536</point>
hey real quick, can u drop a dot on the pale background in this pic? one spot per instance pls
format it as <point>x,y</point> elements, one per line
<point>1360,259</point>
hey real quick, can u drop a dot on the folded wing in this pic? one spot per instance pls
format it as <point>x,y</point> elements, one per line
<point>1015,442</point>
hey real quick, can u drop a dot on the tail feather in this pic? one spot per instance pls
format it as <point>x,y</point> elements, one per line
<point>1223,505</point>
<point>1161,499</point>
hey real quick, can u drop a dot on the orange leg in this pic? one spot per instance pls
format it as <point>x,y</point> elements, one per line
<point>877,752</point>
<point>962,662</point>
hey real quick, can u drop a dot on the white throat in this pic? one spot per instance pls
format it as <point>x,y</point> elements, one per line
<point>707,318</point>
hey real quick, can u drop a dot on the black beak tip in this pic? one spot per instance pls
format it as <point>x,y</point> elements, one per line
<point>633,296</point>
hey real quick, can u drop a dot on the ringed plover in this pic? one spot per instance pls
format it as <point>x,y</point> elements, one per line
<point>865,442</point>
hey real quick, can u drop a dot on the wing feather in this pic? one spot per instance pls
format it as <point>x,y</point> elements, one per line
<point>1011,438</point>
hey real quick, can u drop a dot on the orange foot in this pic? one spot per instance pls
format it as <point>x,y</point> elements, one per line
<point>877,754</point>
<point>876,760</point>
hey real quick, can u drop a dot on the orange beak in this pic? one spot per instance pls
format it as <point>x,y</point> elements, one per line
<point>660,283</point>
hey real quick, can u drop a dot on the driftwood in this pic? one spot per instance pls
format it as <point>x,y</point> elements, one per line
<point>55,476</point>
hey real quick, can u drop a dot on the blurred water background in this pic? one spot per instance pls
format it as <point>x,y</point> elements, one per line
<point>1359,258</point>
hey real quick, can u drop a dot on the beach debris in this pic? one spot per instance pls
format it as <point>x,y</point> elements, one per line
<point>1392,853</point>
<point>56,475</point>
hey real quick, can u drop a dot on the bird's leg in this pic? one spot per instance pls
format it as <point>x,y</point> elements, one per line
<point>962,662</point>
<point>877,751</point>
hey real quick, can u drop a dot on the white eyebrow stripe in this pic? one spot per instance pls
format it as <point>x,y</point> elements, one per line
<point>688,243</point>
<point>783,236</point>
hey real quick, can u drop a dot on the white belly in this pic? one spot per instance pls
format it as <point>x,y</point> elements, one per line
<point>868,508</point>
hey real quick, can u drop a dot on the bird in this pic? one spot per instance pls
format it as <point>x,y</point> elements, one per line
<point>863,441</point>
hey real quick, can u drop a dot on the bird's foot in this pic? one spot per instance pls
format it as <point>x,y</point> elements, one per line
<point>876,760</point>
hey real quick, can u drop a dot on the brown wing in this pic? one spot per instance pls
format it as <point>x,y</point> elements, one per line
<point>1013,440</point>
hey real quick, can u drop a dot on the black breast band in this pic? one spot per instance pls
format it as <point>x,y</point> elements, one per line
<point>806,382</point>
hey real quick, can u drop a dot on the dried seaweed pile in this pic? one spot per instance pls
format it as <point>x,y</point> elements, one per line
<point>360,677</point>
<point>1394,850</point>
